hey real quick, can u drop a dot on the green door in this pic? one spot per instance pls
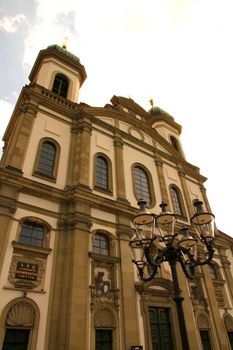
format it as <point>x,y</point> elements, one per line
<point>103,339</point>
<point>205,339</point>
<point>160,327</point>
<point>16,339</point>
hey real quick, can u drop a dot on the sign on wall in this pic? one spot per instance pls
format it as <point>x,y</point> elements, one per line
<point>26,271</point>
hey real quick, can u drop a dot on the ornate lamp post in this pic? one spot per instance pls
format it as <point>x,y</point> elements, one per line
<point>155,241</point>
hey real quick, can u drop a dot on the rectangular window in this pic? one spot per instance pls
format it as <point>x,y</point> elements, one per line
<point>160,327</point>
<point>205,339</point>
<point>103,339</point>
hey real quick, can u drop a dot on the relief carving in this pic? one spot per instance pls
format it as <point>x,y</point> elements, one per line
<point>21,314</point>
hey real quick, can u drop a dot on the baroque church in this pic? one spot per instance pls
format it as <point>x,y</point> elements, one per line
<point>71,176</point>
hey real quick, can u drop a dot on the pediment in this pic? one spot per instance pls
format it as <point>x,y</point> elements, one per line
<point>128,104</point>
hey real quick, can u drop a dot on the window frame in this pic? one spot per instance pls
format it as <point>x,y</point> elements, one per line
<point>150,184</point>
<point>109,188</point>
<point>39,173</point>
<point>180,200</point>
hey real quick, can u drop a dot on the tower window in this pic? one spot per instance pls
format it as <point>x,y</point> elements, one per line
<point>60,85</point>
<point>141,184</point>
<point>175,143</point>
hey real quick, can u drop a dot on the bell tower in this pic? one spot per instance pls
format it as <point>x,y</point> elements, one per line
<point>60,71</point>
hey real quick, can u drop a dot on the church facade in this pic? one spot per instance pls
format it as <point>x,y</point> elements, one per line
<point>70,179</point>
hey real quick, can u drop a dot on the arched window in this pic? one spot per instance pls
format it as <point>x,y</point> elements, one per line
<point>101,244</point>
<point>175,143</point>
<point>177,202</point>
<point>32,233</point>
<point>21,321</point>
<point>47,158</point>
<point>142,184</point>
<point>60,85</point>
<point>102,173</point>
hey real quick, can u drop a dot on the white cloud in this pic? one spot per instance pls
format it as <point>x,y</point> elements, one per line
<point>11,24</point>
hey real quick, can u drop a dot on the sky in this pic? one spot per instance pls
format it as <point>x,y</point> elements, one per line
<point>177,52</point>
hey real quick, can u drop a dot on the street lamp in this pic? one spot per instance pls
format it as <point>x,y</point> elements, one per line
<point>156,241</point>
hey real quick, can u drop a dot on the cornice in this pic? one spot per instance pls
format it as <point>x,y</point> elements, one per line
<point>113,206</point>
<point>29,186</point>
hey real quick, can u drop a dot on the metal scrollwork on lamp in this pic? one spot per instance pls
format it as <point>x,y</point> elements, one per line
<point>147,258</point>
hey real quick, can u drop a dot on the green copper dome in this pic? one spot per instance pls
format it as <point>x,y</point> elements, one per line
<point>65,52</point>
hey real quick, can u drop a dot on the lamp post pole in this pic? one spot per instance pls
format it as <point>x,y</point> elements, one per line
<point>178,299</point>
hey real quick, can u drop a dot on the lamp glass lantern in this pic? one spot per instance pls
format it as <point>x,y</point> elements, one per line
<point>144,224</point>
<point>166,224</point>
<point>203,222</point>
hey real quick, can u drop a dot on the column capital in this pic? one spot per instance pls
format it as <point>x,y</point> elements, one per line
<point>118,142</point>
<point>181,172</point>
<point>84,124</point>
<point>158,161</point>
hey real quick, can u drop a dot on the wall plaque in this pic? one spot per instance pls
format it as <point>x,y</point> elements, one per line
<point>26,271</point>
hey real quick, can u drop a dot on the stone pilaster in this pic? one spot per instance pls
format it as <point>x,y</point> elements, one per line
<point>218,325</point>
<point>129,312</point>
<point>206,202</point>
<point>162,182</point>
<point>79,162</point>
<point>120,176</point>
<point>8,206</point>
<point>69,325</point>
<point>16,148</point>
<point>188,201</point>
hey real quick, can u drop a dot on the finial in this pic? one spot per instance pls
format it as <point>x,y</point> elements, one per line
<point>64,42</point>
<point>151,102</point>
